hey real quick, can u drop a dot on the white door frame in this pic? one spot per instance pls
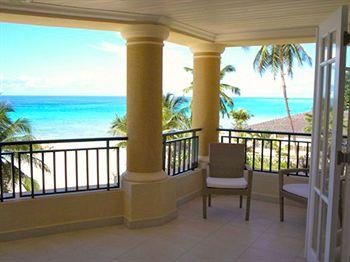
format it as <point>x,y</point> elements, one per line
<point>345,248</point>
<point>322,229</point>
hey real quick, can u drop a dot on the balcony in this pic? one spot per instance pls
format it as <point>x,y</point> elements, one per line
<point>97,201</point>
<point>224,236</point>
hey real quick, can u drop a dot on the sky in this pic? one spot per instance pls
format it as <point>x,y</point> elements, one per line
<point>38,60</point>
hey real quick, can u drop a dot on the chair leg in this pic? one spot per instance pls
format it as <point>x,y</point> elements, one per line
<point>240,201</point>
<point>209,200</point>
<point>281,208</point>
<point>204,206</point>
<point>247,212</point>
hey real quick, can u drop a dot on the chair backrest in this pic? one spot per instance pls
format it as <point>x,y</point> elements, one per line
<point>226,160</point>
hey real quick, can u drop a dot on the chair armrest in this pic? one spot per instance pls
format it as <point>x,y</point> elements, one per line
<point>250,177</point>
<point>283,172</point>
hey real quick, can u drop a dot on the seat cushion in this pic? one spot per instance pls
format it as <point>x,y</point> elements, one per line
<point>216,182</point>
<point>297,189</point>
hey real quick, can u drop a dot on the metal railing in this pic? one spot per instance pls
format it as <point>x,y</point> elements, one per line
<point>44,167</point>
<point>267,151</point>
<point>180,151</point>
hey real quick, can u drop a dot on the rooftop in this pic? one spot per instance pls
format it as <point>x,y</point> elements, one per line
<point>282,124</point>
<point>224,236</point>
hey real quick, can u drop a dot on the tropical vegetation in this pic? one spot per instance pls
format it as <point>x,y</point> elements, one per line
<point>226,90</point>
<point>15,130</point>
<point>240,118</point>
<point>175,117</point>
<point>280,60</point>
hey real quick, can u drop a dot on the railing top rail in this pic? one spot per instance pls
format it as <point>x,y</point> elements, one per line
<point>263,132</point>
<point>165,134</point>
<point>57,141</point>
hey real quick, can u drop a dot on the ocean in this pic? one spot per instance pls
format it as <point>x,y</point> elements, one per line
<point>54,117</point>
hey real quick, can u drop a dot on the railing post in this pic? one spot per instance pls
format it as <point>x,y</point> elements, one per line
<point>19,175</point>
<point>307,155</point>
<point>288,155</point>
<point>164,151</point>
<point>13,174</point>
<point>1,178</point>
<point>31,169</point>
<point>194,150</point>
<point>107,156</point>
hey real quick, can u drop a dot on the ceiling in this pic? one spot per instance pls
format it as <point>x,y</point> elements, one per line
<point>231,22</point>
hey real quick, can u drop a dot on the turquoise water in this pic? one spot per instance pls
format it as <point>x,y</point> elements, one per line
<point>78,116</point>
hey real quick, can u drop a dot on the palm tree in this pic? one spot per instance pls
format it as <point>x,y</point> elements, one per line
<point>174,111</point>
<point>10,131</point>
<point>240,118</point>
<point>279,59</point>
<point>226,102</point>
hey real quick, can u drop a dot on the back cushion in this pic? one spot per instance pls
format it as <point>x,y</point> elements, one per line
<point>226,160</point>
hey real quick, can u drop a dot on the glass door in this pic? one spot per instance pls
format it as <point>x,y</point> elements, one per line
<point>327,133</point>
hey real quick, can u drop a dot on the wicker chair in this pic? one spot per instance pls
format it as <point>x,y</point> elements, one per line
<point>226,174</point>
<point>297,192</point>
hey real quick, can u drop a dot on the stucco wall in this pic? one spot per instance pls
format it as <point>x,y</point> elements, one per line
<point>188,185</point>
<point>58,213</point>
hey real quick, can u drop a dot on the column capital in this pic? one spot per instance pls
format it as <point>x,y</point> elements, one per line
<point>207,49</point>
<point>145,32</point>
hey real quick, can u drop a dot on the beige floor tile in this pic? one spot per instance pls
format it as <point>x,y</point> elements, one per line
<point>9,258</point>
<point>256,224</point>
<point>300,259</point>
<point>285,229</point>
<point>195,227</point>
<point>156,250</point>
<point>212,252</point>
<point>256,254</point>
<point>229,235</point>
<point>224,236</point>
<point>283,245</point>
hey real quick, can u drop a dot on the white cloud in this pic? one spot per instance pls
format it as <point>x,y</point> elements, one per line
<point>175,78</point>
<point>86,81</point>
<point>110,47</point>
<point>108,76</point>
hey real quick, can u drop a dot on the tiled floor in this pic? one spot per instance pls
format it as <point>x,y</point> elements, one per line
<point>224,236</point>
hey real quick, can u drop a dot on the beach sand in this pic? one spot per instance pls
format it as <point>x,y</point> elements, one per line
<point>85,172</point>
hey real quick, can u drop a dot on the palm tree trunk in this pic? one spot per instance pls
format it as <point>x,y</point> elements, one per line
<point>285,97</point>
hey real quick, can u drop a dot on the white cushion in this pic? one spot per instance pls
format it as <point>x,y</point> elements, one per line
<point>217,182</point>
<point>297,189</point>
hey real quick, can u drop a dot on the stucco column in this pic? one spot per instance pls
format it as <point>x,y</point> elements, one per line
<point>206,104</point>
<point>149,194</point>
<point>144,101</point>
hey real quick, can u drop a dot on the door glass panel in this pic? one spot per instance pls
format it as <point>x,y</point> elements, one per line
<point>325,49</point>
<point>333,44</point>
<point>330,112</point>
<point>315,225</point>
<point>324,127</point>
<point>323,230</point>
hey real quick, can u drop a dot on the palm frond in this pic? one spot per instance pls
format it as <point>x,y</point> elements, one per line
<point>227,69</point>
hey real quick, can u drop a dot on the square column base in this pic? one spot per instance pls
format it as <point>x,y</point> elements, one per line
<point>149,203</point>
